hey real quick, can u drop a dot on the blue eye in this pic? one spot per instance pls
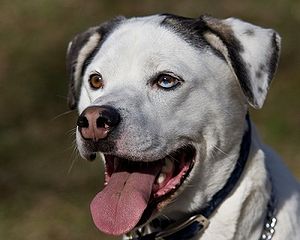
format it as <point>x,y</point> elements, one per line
<point>167,82</point>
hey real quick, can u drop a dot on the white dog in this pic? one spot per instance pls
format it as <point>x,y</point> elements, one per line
<point>165,100</point>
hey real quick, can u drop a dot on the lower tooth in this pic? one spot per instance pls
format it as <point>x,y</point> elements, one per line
<point>161,178</point>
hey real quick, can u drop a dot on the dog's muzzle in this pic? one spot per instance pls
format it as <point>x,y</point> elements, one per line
<point>96,122</point>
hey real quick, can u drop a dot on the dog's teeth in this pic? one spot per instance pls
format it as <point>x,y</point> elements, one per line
<point>161,178</point>
<point>168,166</point>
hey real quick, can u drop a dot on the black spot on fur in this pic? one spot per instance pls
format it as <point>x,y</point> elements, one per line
<point>249,32</point>
<point>260,90</point>
<point>191,30</point>
<point>272,65</point>
<point>258,74</point>
<point>241,71</point>
<point>262,67</point>
<point>235,49</point>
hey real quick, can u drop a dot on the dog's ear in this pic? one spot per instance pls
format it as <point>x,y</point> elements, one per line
<point>81,51</point>
<point>252,53</point>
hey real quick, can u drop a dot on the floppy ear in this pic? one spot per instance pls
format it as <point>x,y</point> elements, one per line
<point>251,52</point>
<point>81,51</point>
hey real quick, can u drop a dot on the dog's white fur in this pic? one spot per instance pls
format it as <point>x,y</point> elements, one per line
<point>208,110</point>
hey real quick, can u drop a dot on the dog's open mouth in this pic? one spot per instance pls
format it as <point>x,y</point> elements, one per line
<point>135,187</point>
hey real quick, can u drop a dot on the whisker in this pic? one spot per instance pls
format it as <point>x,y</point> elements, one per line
<point>219,149</point>
<point>214,153</point>
<point>71,132</point>
<point>62,114</point>
<point>175,159</point>
<point>71,166</point>
<point>74,157</point>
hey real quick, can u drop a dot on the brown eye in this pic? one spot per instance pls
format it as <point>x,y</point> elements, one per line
<point>167,82</point>
<point>96,81</point>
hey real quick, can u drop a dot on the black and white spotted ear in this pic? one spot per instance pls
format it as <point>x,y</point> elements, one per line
<point>252,53</point>
<point>81,51</point>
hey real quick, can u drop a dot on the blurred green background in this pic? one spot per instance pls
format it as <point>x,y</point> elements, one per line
<point>45,188</point>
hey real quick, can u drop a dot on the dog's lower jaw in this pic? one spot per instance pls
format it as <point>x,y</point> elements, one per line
<point>242,215</point>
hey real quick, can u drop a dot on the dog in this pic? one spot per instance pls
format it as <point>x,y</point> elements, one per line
<point>165,99</point>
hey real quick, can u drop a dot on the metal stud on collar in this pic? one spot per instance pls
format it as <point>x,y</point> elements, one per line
<point>270,221</point>
<point>269,229</point>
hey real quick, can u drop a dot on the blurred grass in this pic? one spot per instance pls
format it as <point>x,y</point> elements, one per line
<point>45,189</point>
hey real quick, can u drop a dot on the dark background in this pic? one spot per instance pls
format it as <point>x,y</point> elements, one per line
<point>45,188</point>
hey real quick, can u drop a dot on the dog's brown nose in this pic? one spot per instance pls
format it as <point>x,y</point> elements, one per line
<point>95,122</point>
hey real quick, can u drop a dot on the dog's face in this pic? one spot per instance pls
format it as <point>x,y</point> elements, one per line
<point>164,99</point>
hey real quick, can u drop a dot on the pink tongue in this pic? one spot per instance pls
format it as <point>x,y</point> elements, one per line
<point>118,208</point>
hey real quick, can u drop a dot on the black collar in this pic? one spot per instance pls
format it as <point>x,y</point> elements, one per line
<point>197,222</point>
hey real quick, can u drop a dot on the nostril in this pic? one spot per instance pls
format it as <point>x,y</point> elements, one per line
<point>109,117</point>
<point>82,122</point>
<point>102,122</point>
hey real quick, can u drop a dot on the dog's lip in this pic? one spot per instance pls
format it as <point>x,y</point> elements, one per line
<point>136,190</point>
<point>183,160</point>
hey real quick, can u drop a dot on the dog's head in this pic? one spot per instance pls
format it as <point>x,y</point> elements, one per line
<point>164,98</point>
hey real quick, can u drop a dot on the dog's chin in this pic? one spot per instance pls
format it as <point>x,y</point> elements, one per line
<point>137,190</point>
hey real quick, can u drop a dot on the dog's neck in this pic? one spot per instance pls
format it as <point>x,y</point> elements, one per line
<point>241,215</point>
